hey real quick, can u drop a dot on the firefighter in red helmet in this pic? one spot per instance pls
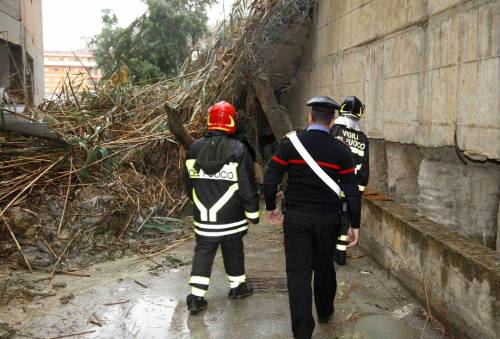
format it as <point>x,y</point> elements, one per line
<point>220,181</point>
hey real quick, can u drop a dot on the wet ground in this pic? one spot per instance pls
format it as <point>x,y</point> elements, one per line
<point>128,298</point>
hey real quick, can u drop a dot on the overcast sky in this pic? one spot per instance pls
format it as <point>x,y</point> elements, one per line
<point>67,24</point>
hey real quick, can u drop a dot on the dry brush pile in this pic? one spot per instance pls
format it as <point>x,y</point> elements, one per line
<point>118,164</point>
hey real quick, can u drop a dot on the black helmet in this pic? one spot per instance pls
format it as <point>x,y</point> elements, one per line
<point>353,107</point>
<point>323,104</point>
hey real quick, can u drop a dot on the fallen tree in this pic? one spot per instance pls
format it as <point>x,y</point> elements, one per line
<point>120,163</point>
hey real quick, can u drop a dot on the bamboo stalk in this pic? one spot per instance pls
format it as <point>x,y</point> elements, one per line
<point>66,199</point>
<point>19,248</point>
<point>31,184</point>
<point>62,254</point>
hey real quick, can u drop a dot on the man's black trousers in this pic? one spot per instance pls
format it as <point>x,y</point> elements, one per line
<point>309,246</point>
<point>204,254</point>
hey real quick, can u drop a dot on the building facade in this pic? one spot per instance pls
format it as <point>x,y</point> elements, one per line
<point>21,50</point>
<point>78,67</point>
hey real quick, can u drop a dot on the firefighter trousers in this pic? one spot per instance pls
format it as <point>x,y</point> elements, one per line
<point>204,254</point>
<point>309,246</point>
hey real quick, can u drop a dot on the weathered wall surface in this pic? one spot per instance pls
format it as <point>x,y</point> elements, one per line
<point>460,281</point>
<point>21,24</point>
<point>424,68</point>
<point>429,74</point>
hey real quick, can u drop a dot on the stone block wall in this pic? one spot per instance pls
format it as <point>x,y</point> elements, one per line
<point>426,69</point>
<point>458,280</point>
<point>429,74</point>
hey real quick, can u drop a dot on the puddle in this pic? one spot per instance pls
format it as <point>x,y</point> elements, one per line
<point>146,318</point>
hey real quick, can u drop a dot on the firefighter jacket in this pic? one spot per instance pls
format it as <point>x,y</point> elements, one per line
<point>348,131</point>
<point>305,191</point>
<point>220,180</point>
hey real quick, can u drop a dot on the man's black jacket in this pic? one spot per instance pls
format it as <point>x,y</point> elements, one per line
<point>305,191</point>
<point>220,180</point>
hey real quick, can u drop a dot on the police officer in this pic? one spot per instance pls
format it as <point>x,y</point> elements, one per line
<point>347,129</point>
<point>312,213</point>
<point>220,181</point>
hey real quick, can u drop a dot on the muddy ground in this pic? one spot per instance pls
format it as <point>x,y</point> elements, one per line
<point>133,298</point>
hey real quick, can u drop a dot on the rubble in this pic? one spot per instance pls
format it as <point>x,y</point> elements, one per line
<point>6,331</point>
<point>65,299</point>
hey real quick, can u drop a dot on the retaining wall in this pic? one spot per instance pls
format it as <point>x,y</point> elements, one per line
<point>459,280</point>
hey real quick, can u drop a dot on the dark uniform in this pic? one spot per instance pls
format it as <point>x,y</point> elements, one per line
<point>347,129</point>
<point>312,218</point>
<point>220,181</point>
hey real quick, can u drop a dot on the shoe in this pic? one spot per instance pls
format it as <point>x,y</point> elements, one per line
<point>324,320</point>
<point>243,290</point>
<point>195,304</point>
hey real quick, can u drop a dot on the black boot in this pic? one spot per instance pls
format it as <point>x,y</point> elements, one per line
<point>195,304</point>
<point>323,320</point>
<point>243,290</point>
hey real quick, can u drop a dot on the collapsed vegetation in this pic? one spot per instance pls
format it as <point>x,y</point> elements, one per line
<point>115,167</point>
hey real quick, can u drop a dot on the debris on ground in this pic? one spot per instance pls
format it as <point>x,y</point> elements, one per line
<point>6,332</point>
<point>65,299</point>
<point>105,178</point>
<point>95,320</point>
<point>174,261</point>
<point>17,286</point>
<point>59,285</point>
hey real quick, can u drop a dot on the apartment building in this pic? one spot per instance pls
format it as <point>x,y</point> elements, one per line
<point>78,67</point>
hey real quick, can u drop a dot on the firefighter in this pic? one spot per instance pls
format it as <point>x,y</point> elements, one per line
<point>220,181</point>
<point>347,129</point>
<point>312,211</point>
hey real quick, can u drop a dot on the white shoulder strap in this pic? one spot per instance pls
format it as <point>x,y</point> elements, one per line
<point>312,163</point>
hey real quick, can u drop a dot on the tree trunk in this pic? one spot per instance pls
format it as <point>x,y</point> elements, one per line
<point>178,129</point>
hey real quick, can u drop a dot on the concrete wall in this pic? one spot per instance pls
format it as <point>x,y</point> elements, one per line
<point>464,198</point>
<point>460,281</point>
<point>11,8</point>
<point>424,68</point>
<point>429,74</point>
<point>21,24</point>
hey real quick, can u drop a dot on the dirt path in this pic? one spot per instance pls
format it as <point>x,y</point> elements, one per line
<point>129,300</point>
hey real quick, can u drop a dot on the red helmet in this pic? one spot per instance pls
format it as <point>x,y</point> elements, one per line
<point>221,116</point>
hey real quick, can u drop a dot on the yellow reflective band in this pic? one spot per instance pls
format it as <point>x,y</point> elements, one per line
<point>190,165</point>
<point>221,202</point>
<point>199,280</point>
<point>342,195</point>
<point>357,151</point>
<point>234,284</point>
<point>221,226</point>
<point>361,188</point>
<point>198,291</point>
<point>341,247</point>
<point>203,210</point>
<point>241,278</point>
<point>343,238</point>
<point>252,215</point>
<point>236,281</point>
<point>218,234</point>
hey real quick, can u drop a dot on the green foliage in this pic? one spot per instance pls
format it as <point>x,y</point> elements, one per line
<point>156,44</point>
